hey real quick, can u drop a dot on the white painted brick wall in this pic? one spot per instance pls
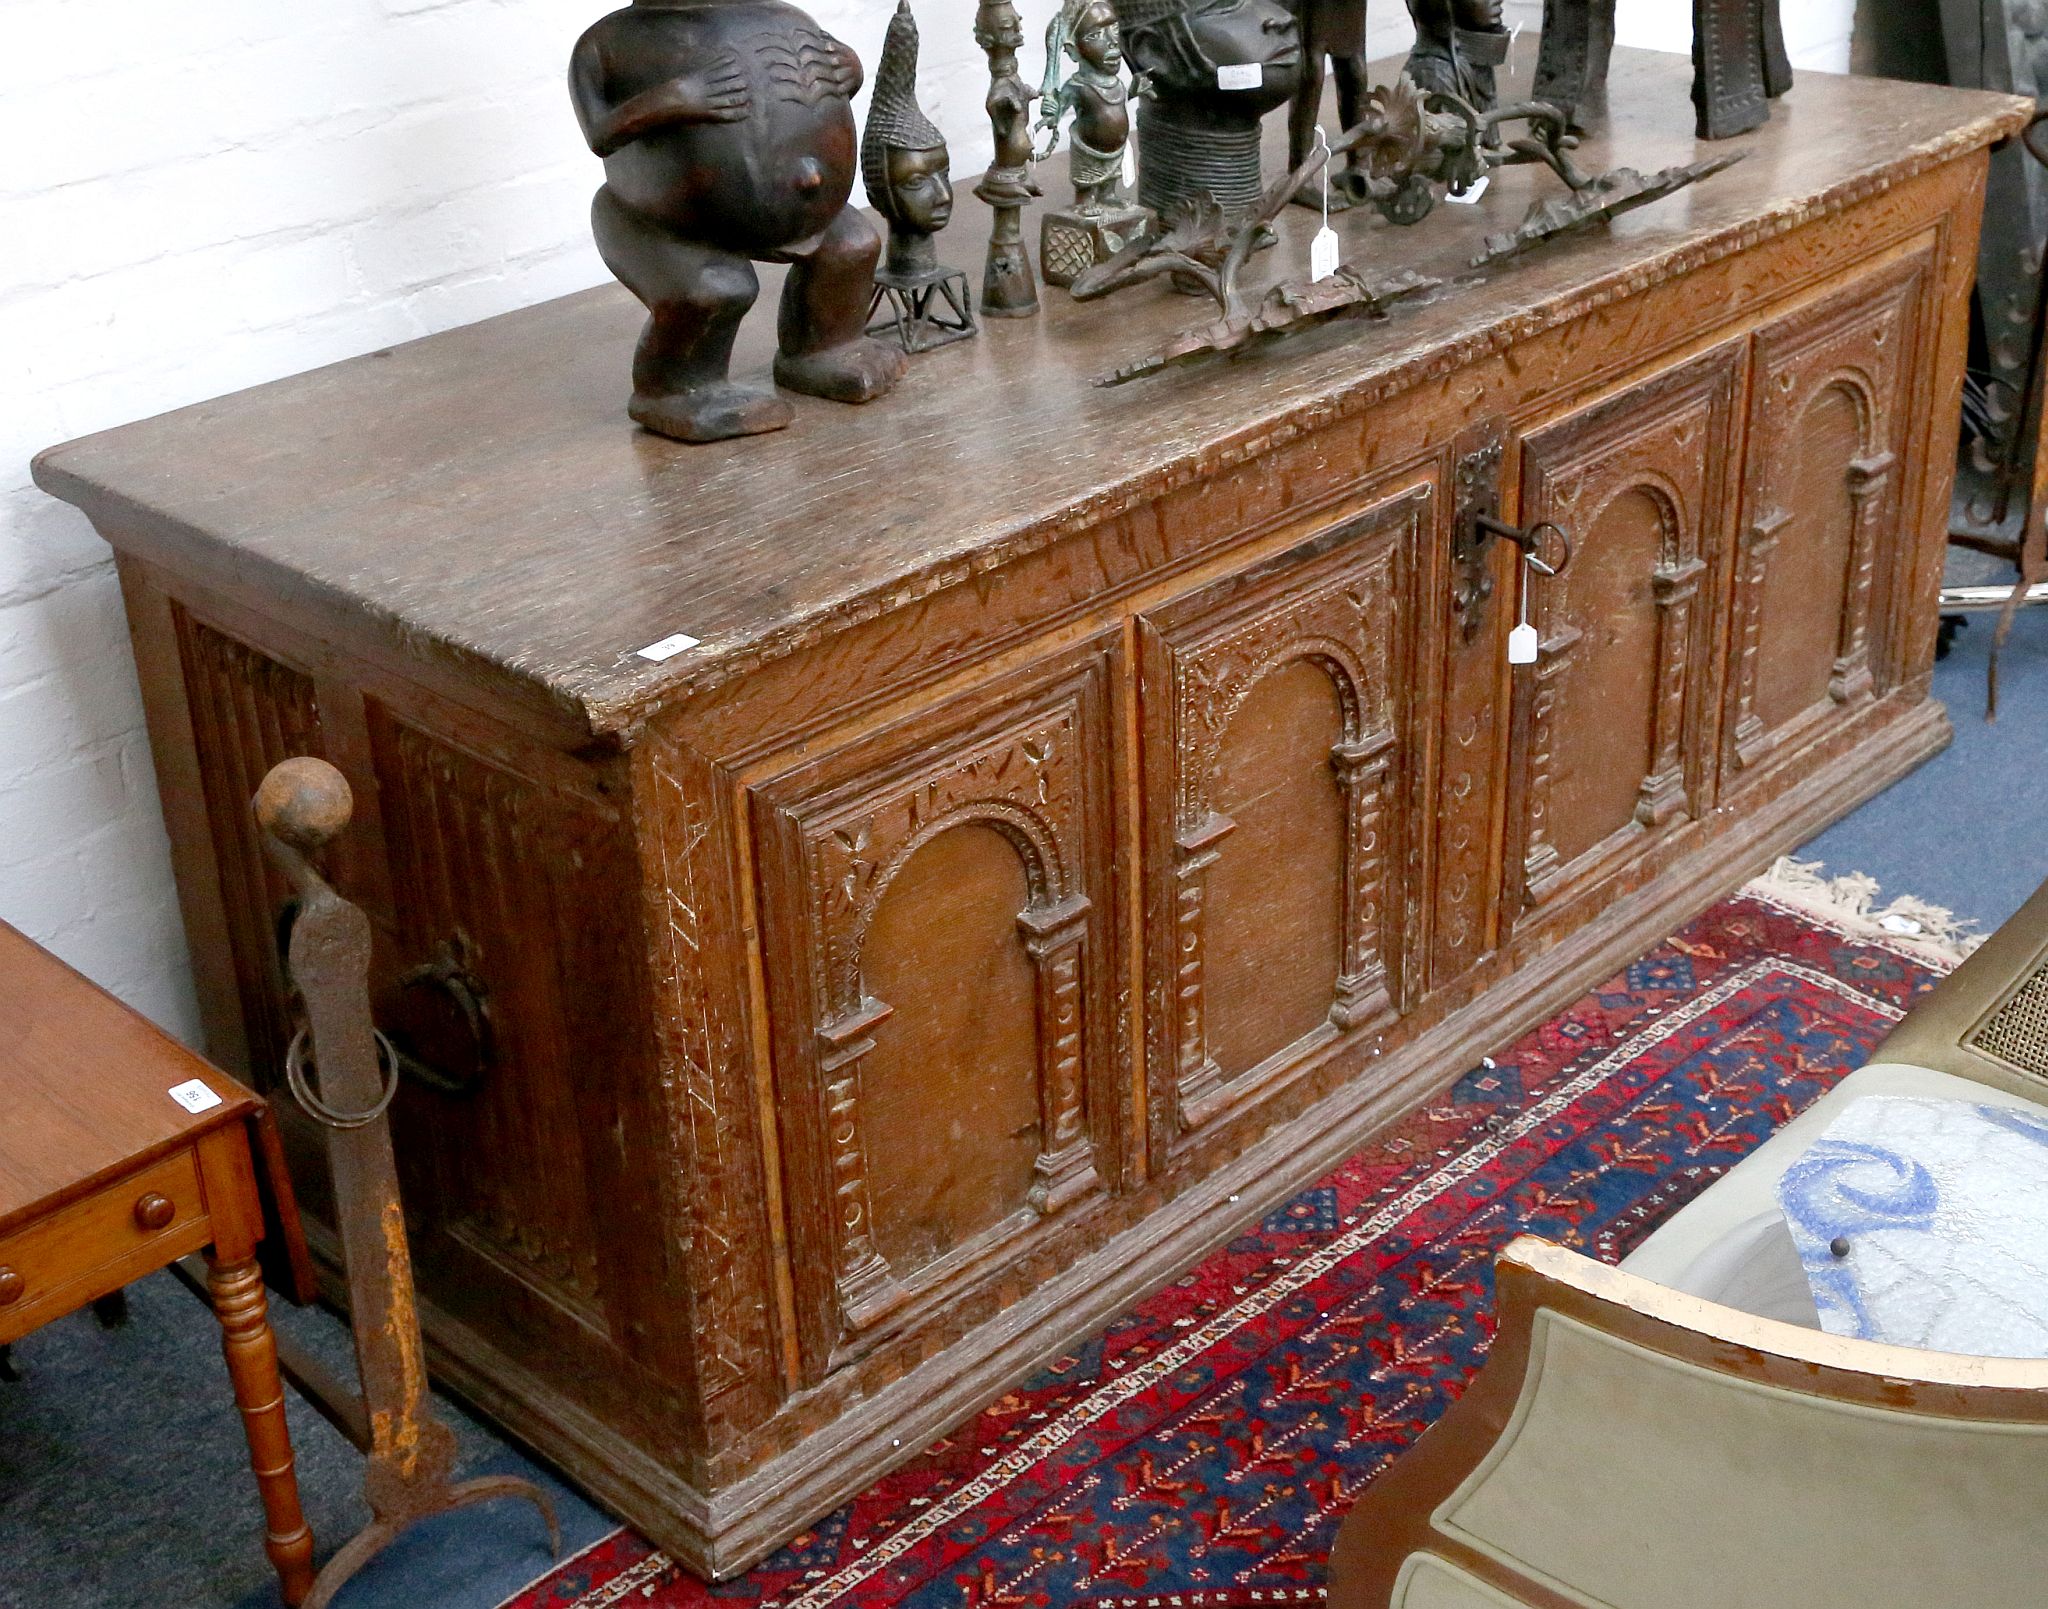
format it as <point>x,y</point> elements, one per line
<point>204,195</point>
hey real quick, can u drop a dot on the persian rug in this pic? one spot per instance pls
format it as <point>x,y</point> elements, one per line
<point>1200,1452</point>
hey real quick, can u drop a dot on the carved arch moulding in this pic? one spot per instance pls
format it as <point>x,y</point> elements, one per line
<point>1666,444</point>
<point>1859,346</point>
<point>1338,601</point>
<point>1030,763</point>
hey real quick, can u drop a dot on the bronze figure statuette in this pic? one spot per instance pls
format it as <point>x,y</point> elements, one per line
<point>1332,32</point>
<point>1215,67</point>
<point>1009,289</point>
<point>904,165</point>
<point>1738,64</point>
<point>1101,222</point>
<point>727,137</point>
<point>1459,45</point>
<point>1571,62</point>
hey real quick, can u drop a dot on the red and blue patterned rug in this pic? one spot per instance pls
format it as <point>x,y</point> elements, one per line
<point>1200,1452</point>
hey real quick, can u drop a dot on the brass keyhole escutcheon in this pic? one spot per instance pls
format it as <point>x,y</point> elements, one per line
<point>154,1211</point>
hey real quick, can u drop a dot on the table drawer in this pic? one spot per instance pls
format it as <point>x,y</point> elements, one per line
<point>122,1230</point>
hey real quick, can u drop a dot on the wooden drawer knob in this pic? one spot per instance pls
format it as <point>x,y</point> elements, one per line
<point>11,1286</point>
<point>153,1211</point>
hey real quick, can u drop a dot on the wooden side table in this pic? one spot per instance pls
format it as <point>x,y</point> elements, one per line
<point>121,1152</point>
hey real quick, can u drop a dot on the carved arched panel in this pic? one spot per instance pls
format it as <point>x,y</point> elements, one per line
<point>1803,598</point>
<point>936,913</point>
<point>1276,770</point>
<point>1276,892</point>
<point>1612,722</point>
<point>949,1094</point>
<point>1829,402</point>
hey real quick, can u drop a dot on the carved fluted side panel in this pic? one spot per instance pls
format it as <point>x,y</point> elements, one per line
<point>249,711</point>
<point>489,860</point>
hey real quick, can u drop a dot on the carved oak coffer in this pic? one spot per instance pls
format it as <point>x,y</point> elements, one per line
<point>861,906</point>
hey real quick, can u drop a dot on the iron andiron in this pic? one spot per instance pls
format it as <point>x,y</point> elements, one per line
<point>344,1074</point>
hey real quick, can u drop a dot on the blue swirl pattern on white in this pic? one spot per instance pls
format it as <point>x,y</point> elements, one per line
<point>1943,1208</point>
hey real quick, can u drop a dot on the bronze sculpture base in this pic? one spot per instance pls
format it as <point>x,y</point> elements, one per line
<point>1070,243</point>
<point>926,310</point>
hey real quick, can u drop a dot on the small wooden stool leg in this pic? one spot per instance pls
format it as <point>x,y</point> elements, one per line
<point>239,1303</point>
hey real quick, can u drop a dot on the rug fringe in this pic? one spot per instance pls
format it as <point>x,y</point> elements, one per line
<point>1848,903</point>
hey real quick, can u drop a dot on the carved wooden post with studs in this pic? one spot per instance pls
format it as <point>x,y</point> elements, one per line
<point>344,1074</point>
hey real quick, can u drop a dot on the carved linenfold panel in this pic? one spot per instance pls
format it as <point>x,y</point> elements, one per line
<point>1613,721</point>
<point>1025,769</point>
<point>706,1091</point>
<point>1822,513</point>
<point>249,711</point>
<point>1338,604</point>
<point>495,858</point>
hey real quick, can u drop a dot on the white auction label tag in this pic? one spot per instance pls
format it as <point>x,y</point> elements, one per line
<point>1522,645</point>
<point>1466,198</point>
<point>1130,163</point>
<point>1322,253</point>
<point>1240,75</point>
<point>668,647</point>
<point>194,1095</point>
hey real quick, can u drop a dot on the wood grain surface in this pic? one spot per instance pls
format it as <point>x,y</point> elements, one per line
<point>482,496</point>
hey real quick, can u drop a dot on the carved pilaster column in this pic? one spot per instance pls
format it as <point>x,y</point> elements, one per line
<point>1751,741</point>
<point>1054,938</point>
<point>866,1285</point>
<point>1868,477</point>
<point>1675,585</point>
<point>1362,771</point>
<point>1196,1075</point>
<point>1540,863</point>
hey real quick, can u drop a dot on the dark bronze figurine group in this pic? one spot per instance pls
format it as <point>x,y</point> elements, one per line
<point>727,133</point>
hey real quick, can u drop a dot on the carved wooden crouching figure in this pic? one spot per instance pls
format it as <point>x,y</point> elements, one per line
<point>727,137</point>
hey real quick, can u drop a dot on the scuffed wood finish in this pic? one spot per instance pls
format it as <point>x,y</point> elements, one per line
<point>1088,813</point>
<point>993,448</point>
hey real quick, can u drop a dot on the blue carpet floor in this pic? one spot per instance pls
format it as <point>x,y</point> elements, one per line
<point>122,1476</point>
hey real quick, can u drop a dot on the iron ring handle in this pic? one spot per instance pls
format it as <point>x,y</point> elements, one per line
<point>296,1060</point>
<point>1531,542</point>
<point>458,986</point>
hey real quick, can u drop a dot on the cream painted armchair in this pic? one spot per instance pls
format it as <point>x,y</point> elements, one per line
<point>1676,1433</point>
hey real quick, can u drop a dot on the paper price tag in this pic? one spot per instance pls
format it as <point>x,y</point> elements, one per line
<point>668,647</point>
<point>1322,253</point>
<point>193,1095</point>
<point>1470,197</point>
<point>1240,75</point>
<point>1130,163</point>
<point>1522,645</point>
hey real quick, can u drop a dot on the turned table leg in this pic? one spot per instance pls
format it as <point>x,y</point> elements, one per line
<point>239,1304</point>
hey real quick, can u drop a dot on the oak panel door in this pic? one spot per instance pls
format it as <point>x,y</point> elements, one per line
<point>1276,774</point>
<point>1613,723</point>
<point>938,935</point>
<point>1829,407</point>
